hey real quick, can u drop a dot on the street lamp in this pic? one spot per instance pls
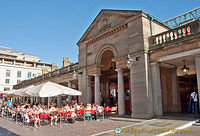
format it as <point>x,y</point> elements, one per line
<point>129,60</point>
<point>74,74</point>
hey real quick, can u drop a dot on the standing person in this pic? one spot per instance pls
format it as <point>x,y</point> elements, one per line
<point>194,102</point>
<point>9,103</point>
<point>189,98</point>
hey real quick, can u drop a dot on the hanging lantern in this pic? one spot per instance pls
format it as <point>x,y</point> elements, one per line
<point>185,69</point>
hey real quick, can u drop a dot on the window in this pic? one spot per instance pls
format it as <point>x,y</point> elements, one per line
<point>19,73</point>
<point>29,74</point>
<point>18,81</point>
<point>7,73</point>
<point>7,81</point>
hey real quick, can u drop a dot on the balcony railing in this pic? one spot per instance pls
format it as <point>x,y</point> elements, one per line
<point>163,39</point>
<point>58,72</point>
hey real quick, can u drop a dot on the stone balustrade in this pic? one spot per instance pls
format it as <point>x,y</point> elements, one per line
<point>173,35</point>
<point>58,72</point>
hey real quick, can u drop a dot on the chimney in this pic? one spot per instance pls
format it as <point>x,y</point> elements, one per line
<point>54,66</point>
<point>66,61</point>
<point>45,70</point>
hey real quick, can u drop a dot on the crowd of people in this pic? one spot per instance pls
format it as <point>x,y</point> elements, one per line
<point>35,113</point>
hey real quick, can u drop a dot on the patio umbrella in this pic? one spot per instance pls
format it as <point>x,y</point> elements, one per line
<point>21,92</point>
<point>50,89</point>
<point>9,93</point>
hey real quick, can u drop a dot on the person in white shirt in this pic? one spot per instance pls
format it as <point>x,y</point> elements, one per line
<point>194,96</point>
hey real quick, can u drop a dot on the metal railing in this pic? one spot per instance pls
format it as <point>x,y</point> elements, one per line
<point>58,72</point>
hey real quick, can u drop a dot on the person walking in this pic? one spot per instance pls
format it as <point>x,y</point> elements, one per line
<point>194,102</point>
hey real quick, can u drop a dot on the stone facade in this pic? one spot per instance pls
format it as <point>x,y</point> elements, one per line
<point>127,35</point>
<point>154,79</point>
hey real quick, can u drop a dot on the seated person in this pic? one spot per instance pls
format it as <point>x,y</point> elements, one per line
<point>88,111</point>
<point>52,112</point>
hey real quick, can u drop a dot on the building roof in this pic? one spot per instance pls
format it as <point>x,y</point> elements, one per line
<point>15,53</point>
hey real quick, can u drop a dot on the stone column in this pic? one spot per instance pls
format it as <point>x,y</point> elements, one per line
<point>176,107</point>
<point>107,92</point>
<point>121,99</point>
<point>32,100</point>
<point>97,89</point>
<point>70,86</point>
<point>156,86</point>
<point>43,100</point>
<point>197,61</point>
<point>37,99</point>
<point>59,100</point>
<point>89,91</point>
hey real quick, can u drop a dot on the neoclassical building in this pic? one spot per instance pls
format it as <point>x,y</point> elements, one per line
<point>131,59</point>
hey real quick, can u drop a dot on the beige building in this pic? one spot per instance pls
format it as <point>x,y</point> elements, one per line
<point>131,59</point>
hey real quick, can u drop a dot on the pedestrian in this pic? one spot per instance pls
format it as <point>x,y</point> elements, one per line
<point>189,100</point>
<point>194,102</point>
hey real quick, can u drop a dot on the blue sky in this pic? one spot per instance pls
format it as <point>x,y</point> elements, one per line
<point>50,29</point>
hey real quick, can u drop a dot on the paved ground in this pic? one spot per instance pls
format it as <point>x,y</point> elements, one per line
<point>5,132</point>
<point>104,128</point>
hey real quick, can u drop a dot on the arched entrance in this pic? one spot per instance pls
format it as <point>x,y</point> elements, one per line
<point>108,78</point>
<point>109,81</point>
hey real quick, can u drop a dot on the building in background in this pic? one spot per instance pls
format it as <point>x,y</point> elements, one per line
<point>16,66</point>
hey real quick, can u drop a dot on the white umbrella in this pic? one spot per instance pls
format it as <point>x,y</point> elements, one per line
<point>50,89</point>
<point>10,92</point>
<point>21,92</point>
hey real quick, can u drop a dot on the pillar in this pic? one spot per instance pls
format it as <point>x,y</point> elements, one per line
<point>176,107</point>
<point>37,99</point>
<point>43,100</point>
<point>121,99</point>
<point>59,100</point>
<point>97,89</point>
<point>89,91</point>
<point>156,86</point>
<point>107,92</point>
<point>70,86</point>
<point>197,62</point>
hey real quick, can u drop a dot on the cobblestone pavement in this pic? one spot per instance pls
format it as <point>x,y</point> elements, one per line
<point>76,129</point>
<point>103,128</point>
<point>152,127</point>
<point>5,132</point>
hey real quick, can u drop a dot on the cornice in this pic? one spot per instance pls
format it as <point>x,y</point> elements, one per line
<point>107,33</point>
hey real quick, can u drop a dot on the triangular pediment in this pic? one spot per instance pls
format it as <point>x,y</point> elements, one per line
<point>106,20</point>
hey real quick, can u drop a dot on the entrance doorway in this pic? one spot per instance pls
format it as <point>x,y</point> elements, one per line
<point>186,85</point>
<point>175,90</point>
